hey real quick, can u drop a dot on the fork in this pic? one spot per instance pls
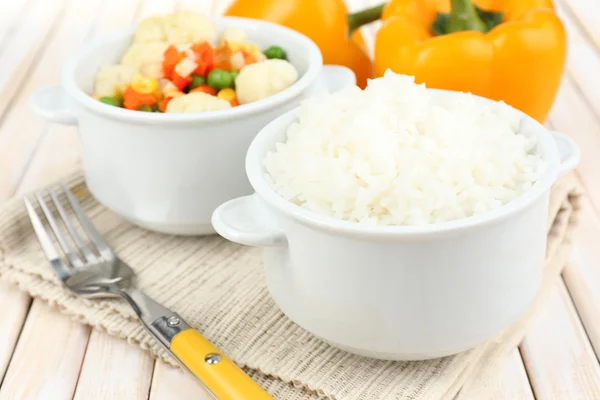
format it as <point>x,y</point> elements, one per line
<point>89,267</point>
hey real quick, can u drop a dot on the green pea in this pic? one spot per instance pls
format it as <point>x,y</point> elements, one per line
<point>275,52</point>
<point>234,75</point>
<point>197,80</point>
<point>111,101</point>
<point>145,108</point>
<point>219,79</point>
<point>155,107</point>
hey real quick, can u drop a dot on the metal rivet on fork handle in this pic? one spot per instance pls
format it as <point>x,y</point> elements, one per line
<point>212,358</point>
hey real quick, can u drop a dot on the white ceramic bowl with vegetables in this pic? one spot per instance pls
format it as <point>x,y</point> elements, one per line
<point>400,222</point>
<point>164,127</point>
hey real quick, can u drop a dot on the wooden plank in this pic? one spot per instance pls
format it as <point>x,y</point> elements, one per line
<point>559,359</point>
<point>15,306</point>
<point>124,370</point>
<point>583,61</point>
<point>154,7</point>
<point>29,39</point>
<point>514,383</point>
<point>587,15</point>
<point>172,383</point>
<point>10,13</point>
<point>204,7</point>
<point>218,6</point>
<point>48,357</point>
<point>582,276</point>
<point>573,116</point>
<point>20,129</point>
<point>116,14</point>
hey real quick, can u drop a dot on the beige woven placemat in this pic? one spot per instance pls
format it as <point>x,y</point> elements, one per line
<point>218,287</point>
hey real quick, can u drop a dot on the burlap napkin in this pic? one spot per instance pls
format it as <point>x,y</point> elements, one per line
<point>218,287</point>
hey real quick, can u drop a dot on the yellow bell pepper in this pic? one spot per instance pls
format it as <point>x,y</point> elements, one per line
<point>326,22</point>
<point>514,51</point>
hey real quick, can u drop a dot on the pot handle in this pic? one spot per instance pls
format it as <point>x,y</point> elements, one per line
<point>52,103</point>
<point>336,77</point>
<point>242,220</point>
<point>568,152</point>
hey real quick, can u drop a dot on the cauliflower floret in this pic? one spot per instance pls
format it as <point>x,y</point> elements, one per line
<point>264,79</point>
<point>111,79</point>
<point>232,34</point>
<point>147,58</point>
<point>196,102</point>
<point>176,28</point>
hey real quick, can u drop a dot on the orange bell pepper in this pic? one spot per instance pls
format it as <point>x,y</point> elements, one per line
<point>326,22</point>
<point>515,51</point>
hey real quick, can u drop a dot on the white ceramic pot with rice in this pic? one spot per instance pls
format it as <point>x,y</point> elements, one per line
<point>169,171</point>
<point>401,292</point>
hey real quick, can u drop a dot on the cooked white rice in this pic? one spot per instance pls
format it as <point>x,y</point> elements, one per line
<point>394,154</point>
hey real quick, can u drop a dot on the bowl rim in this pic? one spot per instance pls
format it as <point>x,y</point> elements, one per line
<point>263,142</point>
<point>84,99</point>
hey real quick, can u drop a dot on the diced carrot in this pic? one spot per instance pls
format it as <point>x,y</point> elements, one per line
<point>133,100</point>
<point>234,103</point>
<point>249,58</point>
<point>203,68</point>
<point>171,58</point>
<point>162,106</point>
<point>180,82</point>
<point>205,57</point>
<point>221,58</point>
<point>204,89</point>
<point>203,49</point>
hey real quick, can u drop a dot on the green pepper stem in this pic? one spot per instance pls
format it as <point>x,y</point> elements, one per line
<point>363,17</point>
<point>463,17</point>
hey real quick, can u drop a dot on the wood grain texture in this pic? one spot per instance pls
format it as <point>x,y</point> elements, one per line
<point>32,153</point>
<point>573,116</point>
<point>20,51</point>
<point>559,359</point>
<point>15,306</point>
<point>582,276</point>
<point>48,357</point>
<point>114,369</point>
<point>172,383</point>
<point>21,131</point>
<point>514,383</point>
<point>587,12</point>
<point>583,60</point>
<point>10,11</point>
<point>153,7</point>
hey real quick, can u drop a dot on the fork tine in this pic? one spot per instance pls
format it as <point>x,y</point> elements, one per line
<point>40,231</point>
<point>79,242</point>
<point>87,225</point>
<point>45,241</point>
<point>71,253</point>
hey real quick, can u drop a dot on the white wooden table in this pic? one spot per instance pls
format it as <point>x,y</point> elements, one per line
<point>45,355</point>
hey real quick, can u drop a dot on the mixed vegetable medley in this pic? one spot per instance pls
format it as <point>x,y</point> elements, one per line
<point>178,63</point>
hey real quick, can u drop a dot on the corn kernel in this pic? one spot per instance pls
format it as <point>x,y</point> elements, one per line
<point>227,94</point>
<point>247,47</point>
<point>144,85</point>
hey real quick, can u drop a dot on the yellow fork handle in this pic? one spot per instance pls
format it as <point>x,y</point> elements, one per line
<point>223,378</point>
